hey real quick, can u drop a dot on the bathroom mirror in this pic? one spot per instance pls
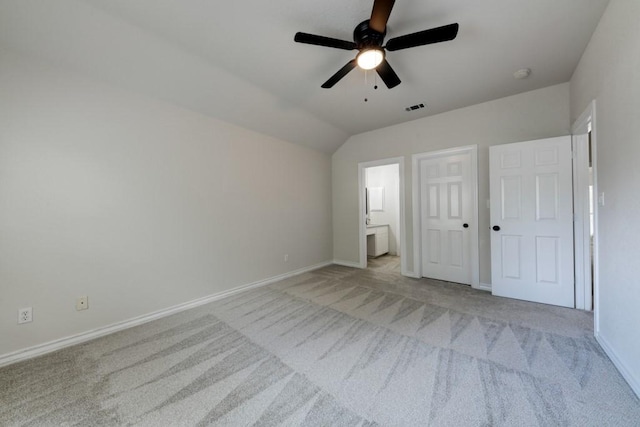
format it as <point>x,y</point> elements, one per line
<point>376,199</point>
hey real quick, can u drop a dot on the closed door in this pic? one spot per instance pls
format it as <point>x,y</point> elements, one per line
<point>532,221</point>
<point>446,213</point>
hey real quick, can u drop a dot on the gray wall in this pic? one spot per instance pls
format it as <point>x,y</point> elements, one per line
<point>138,204</point>
<point>609,72</point>
<point>538,114</point>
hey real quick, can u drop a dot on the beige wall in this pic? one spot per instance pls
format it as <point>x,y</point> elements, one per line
<point>609,72</point>
<point>538,114</point>
<point>138,204</point>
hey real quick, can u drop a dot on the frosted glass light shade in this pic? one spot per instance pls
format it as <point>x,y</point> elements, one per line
<point>370,58</point>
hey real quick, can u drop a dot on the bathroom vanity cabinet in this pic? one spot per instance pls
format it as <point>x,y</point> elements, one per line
<point>377,239</point>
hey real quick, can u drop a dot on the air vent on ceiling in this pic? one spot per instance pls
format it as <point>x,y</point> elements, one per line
<point>414,107</point>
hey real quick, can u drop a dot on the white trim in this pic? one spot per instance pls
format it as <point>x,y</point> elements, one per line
<point>627,374</point>
<point>362,224</point>
<point>362,220</point>
<point>484,287</point>
<point>415,201</point>
<point>472,150</point>
<point>403,228</point>
<point>581,232</point>
<point>411,274</point>
<point>48,347</point>
<point>580,127</point>
<point>347,263</point>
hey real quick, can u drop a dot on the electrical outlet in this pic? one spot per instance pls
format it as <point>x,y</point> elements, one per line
<point>25,315</point>
<point>82,303</point>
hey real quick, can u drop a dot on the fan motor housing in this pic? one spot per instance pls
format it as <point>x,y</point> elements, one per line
<point>364,36</point>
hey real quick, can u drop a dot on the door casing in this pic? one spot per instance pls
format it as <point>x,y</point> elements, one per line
<point>583,282</point>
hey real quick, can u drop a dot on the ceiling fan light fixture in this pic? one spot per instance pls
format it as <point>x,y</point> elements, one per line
<point>368,39</point>
<point>369,59</point>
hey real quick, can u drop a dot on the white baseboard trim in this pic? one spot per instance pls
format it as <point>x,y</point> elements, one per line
<point>51,346</point>
<point>634,382</point>
<point>483,287</point>
<point>347,263</point>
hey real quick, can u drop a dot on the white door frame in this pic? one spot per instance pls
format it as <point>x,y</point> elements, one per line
<point>472,150</point>
<point>362,223</point>
<point>582,257</point>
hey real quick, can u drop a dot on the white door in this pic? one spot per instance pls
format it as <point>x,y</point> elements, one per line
<point>532,221</point>
<point>446,214</point>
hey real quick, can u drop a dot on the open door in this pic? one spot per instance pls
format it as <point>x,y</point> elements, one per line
<point>532,221</point>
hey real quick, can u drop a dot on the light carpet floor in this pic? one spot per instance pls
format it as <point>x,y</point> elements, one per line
<point>334,347</point>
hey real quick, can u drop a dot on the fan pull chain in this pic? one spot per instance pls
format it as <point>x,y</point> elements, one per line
<point>366,73</point>
<point>375,82</point>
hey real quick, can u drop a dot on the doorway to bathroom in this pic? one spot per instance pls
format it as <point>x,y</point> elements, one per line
<point>381,207</point>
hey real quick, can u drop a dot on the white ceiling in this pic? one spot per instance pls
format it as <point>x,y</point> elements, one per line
<point>236,60</point>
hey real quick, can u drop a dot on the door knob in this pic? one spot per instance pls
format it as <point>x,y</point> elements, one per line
<point>465,225</point>
<point>496,228</point>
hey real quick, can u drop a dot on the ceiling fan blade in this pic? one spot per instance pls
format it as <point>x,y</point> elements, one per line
<point>434,35</point>
<point>340,74</point>
<point>380,15</point>
<point>324,41</point>
<point>388,76</point>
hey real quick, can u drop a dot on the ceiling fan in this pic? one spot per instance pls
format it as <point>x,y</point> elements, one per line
<point>368,37</point>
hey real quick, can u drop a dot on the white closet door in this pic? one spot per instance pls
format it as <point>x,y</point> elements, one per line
<point>446,211</point>
<point>532,221</point>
